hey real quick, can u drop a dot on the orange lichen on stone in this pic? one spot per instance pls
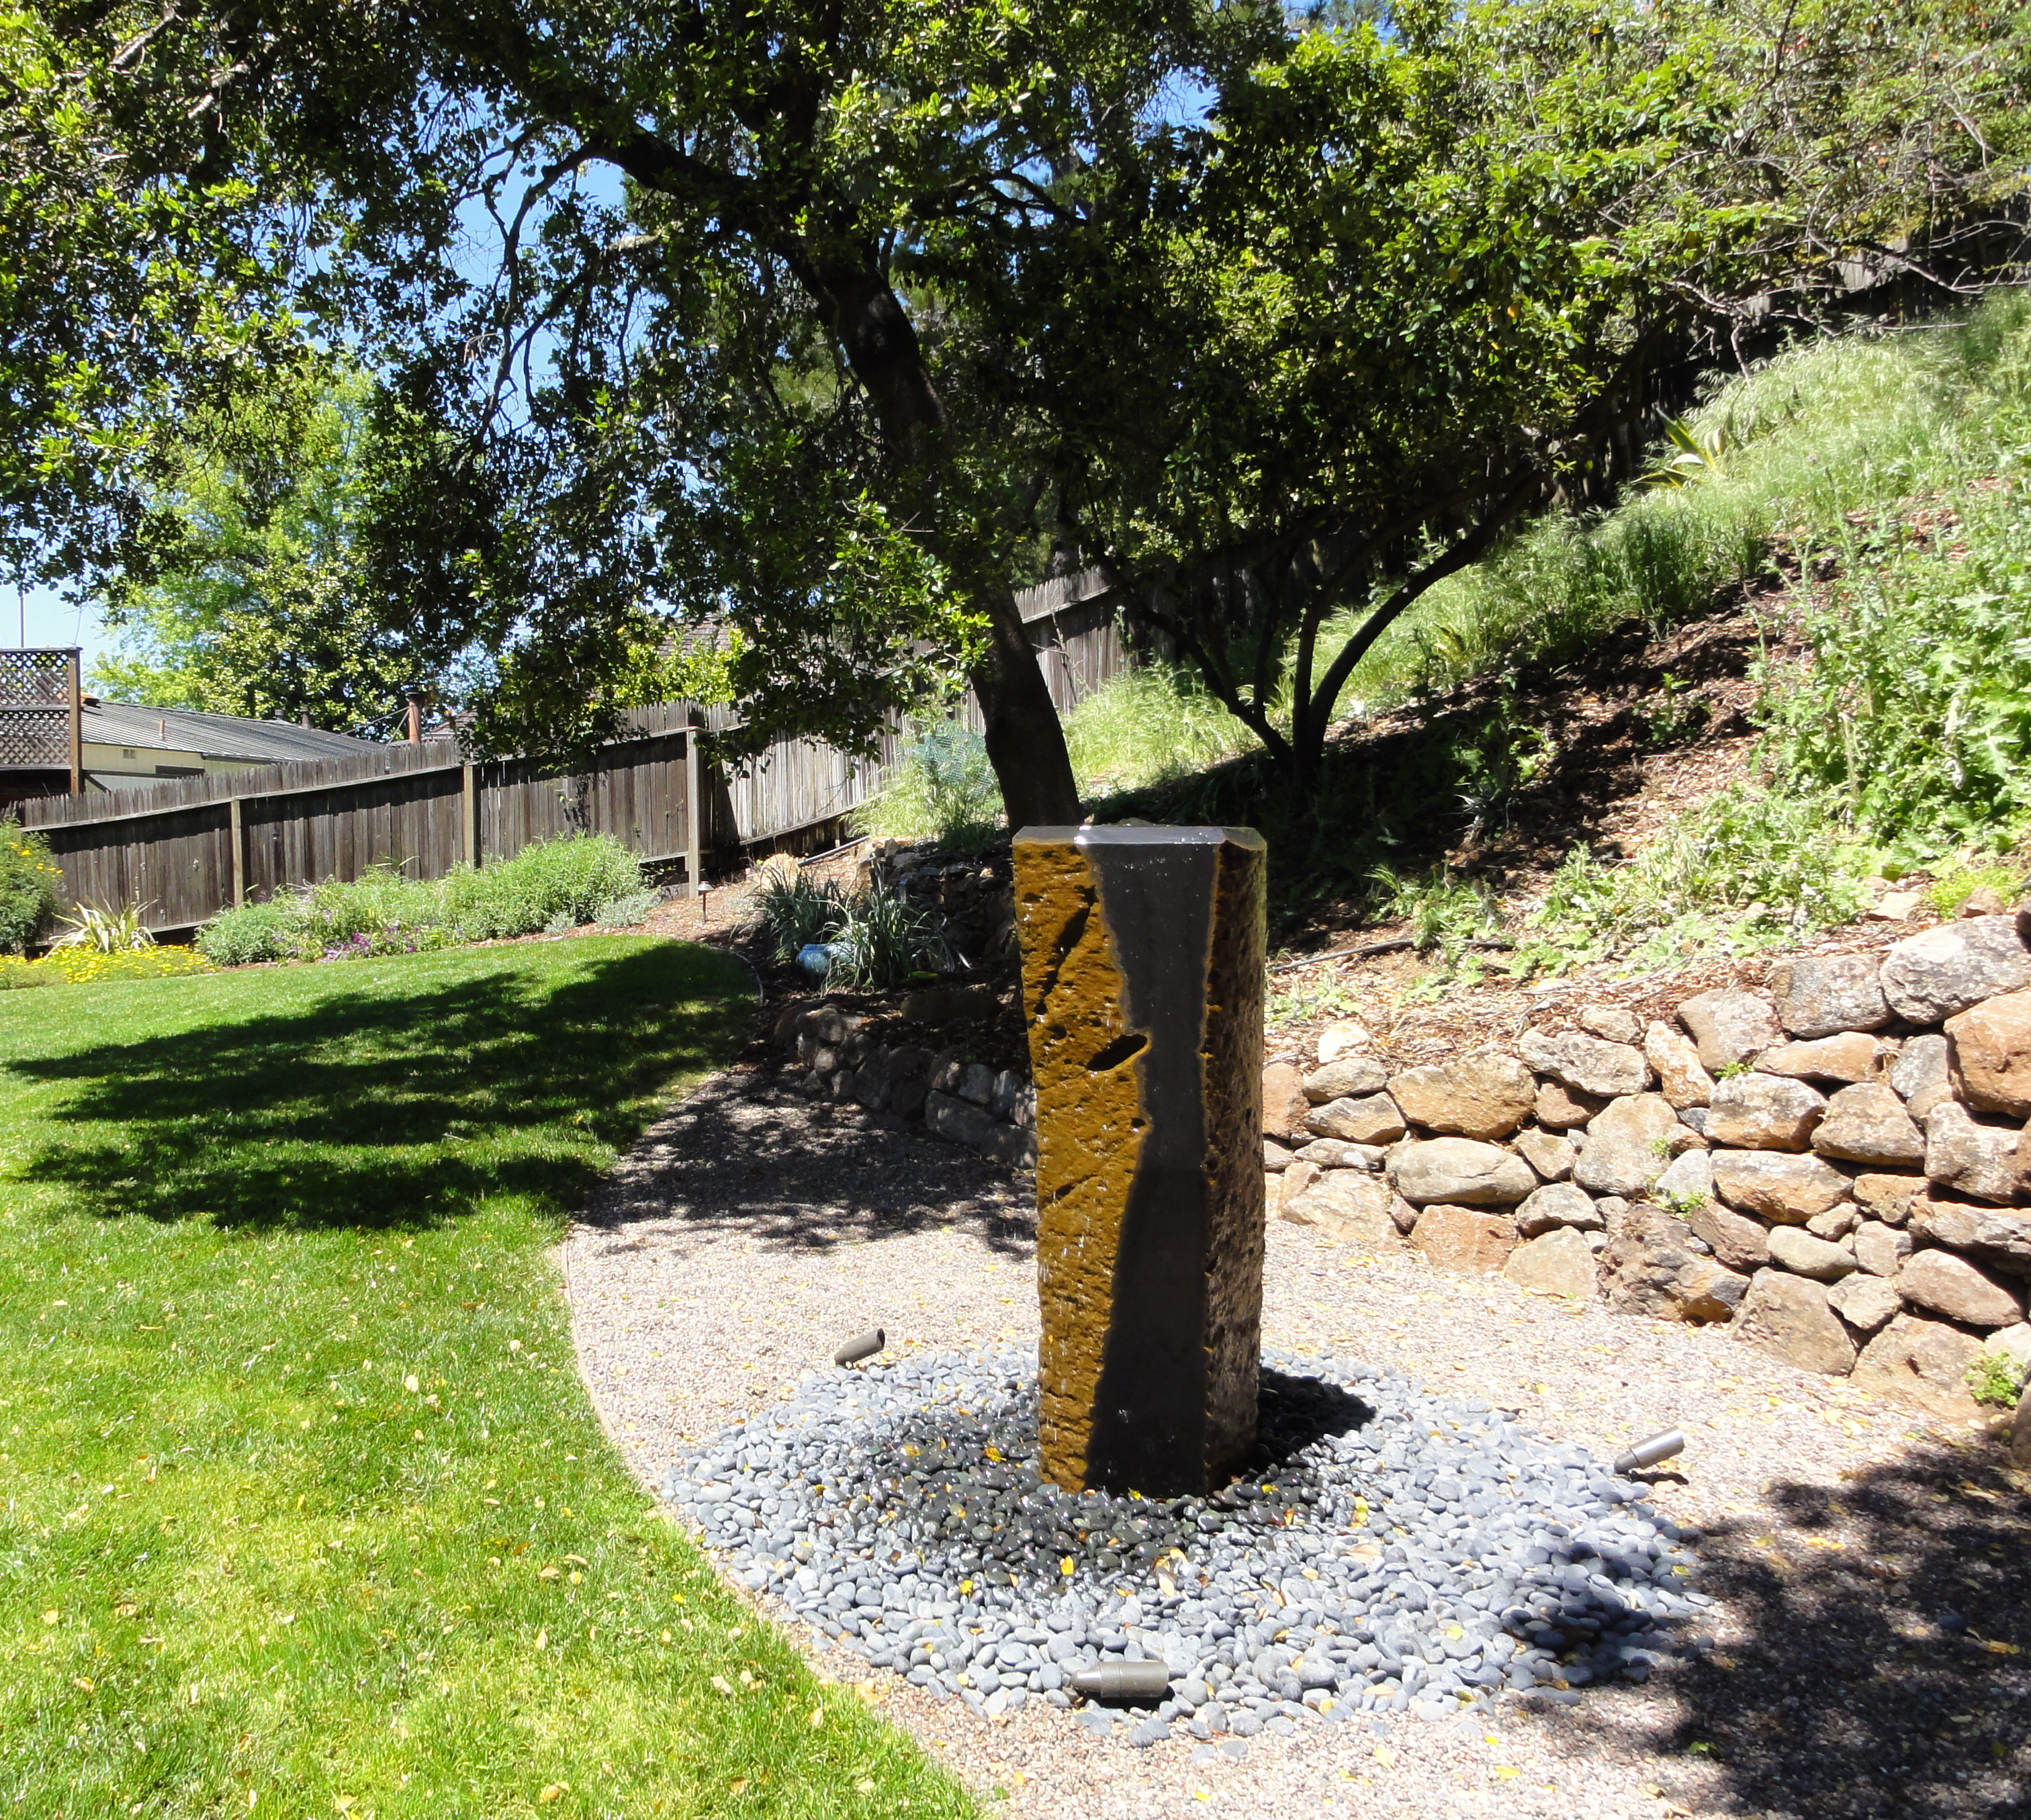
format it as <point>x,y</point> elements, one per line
<point>1089,1123</point>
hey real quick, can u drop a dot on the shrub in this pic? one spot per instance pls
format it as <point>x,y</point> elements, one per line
<point>272,930</point>
<point>944,788</point>
<point>623,912</point>
<point>557,882</point>
<point>28,881</point>
<point>382,912</point>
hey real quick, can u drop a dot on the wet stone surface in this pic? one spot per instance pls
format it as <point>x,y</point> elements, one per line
<point>1391,1551</point>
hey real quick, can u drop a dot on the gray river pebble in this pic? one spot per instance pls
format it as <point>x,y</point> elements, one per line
<point>1390,1551</point>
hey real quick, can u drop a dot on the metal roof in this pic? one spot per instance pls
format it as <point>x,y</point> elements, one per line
<point>221,736</point>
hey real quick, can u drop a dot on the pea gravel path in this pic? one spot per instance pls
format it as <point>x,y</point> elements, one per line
<point>1873,1654</point>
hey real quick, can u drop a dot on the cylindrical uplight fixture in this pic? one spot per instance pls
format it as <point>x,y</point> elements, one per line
<point>1136,1681</point>
<point>1649,1453</point>
<point>861,1346</point>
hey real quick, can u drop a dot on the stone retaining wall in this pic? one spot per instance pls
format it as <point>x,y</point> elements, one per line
<point>957,1098</point>
<point>1838,1168</point>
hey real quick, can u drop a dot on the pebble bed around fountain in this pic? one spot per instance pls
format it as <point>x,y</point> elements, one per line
<point>1393,1550</point>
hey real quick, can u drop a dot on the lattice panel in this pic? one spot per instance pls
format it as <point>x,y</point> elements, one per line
<point>34,709</point>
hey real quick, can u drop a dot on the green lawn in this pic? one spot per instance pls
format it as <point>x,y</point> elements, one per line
<point>303,1508</point>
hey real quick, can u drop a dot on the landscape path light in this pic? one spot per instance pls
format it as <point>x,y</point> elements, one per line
<point>1650,1453</point>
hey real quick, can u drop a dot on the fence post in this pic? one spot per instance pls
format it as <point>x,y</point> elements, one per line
<point>236,822</point>
<point>468,814</point>
<point>77,722</point>
<point>694,815</point>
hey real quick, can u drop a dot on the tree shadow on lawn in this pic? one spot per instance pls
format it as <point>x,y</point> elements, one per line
<point>1884,1667</point>
<point>389,1108</point>
<point>750,1154</point>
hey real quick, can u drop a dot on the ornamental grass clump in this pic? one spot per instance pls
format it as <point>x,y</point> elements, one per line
<point>105,929</point>
<point>28,881</point>
<point>796,911</point>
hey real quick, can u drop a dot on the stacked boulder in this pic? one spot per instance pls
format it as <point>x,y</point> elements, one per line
<point>994,1111</point>
<point>1838,1167</point>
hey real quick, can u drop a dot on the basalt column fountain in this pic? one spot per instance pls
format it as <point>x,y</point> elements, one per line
<point>1142,972</point>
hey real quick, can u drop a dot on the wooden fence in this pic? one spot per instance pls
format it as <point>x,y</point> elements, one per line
<point>187,847</point>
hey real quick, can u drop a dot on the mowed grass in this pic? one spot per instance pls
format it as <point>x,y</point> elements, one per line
<point>303,1508</point>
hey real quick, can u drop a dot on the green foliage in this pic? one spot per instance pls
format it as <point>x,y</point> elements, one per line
<point>569,879</point>
<point>1445,912</point>
<point>1397,248</point>
<point>1681,1206</point>
<point>1674,713</point>
<point>268,930</point>
<point>1146,727</point>
<point>797,911</point>
<point>625,911</point>
<point>1955,884</point>
<point>1304,1001</point>
<point>1898,463</point>
<point>885,940</point>
<point>256,604</point>
<point>1917,709</point>
<point>1753,868</point>
<point>28,881</point>
<point>293,1232</point>
<point>1995,1379</point>
<point>879,938</point>
<point>943,789</point>
<point>106,929</point>
<point>135,296</point>
<point>1149,726</point>
<point>563,883</point>
<point>1691,455</point>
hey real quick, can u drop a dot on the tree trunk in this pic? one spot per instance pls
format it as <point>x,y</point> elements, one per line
<point>1026,743</point>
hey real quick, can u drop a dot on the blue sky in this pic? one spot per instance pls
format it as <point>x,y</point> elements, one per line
<point>51,621</point>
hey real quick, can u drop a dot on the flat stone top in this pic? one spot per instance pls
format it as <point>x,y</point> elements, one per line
<point>1153,835</point>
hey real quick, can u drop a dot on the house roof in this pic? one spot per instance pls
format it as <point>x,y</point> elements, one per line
<point>220,736</point>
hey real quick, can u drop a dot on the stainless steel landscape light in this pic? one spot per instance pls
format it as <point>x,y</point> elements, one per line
<point>1649,1453</point>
